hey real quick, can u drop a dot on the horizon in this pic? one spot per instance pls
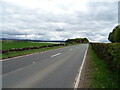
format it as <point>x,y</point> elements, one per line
<point>46,40</point>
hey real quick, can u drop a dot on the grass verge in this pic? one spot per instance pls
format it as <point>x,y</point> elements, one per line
<point>99,75</point>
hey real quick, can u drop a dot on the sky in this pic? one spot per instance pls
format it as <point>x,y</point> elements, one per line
<point>58,19</point>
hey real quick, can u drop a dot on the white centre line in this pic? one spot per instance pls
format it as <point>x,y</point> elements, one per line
<point>55,55</point>
<point>71,49</point>
<point>33,62</point>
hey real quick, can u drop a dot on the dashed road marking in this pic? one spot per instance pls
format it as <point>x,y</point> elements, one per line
<point>56,55</point>
<point>33,62</point>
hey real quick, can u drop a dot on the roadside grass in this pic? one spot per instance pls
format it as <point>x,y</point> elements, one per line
<point>0,45</point>
<point>101,76</point>
<point>20,44</point>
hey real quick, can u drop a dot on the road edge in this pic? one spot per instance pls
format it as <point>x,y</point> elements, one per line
<point>80,70</point>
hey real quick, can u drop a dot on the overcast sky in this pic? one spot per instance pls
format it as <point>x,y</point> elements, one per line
<point>58,19</point>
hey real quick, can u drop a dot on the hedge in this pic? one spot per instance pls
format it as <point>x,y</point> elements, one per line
<point>110,52</point>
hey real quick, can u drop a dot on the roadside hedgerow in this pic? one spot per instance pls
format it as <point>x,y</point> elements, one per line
<point>110,52</point>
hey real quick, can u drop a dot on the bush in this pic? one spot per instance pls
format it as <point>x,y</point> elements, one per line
<point>110,52</point>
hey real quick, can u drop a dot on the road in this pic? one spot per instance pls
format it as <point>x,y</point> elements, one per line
<point>50,69</point>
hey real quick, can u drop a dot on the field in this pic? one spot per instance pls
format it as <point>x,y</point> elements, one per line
<point>20,44</point>
<point>23,44</point>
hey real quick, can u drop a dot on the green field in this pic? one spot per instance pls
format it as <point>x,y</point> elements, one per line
<point>19,53</point>
<point>20,44</point>
<point>101,76</point>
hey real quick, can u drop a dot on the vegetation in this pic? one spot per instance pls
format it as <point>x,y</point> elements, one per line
<point>110,53</point>
<point>114,36</point>
<point>20,44</point>
<point>77,40</point>
<point>105,62</point>
<point>17,48</point>
<point>99,75</point>
<point>19,53</point>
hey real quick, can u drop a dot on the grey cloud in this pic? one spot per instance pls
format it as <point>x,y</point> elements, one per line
<point>59,29</point>
<point>21,22</point>
<point>103,11</point>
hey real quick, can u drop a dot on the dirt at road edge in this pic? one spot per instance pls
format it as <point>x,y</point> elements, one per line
<point>85,77</point>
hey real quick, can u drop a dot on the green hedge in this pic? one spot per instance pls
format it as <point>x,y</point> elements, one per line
<point>110,52</point>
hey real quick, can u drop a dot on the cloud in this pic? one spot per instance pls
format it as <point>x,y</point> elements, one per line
<point>58,19</point>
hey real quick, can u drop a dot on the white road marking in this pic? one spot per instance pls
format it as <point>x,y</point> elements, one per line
<point>33,62</point>
<point>56,55</point>
<point>77,80</point>
<point>71,49</point>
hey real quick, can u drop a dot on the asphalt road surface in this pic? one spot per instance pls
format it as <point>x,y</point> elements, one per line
<point>51,69</point>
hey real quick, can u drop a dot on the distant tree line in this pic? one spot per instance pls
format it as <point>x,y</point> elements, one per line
<point>114,36</point>
<point>77,40</point>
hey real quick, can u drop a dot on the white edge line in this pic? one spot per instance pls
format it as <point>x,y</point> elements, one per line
<point>56,55</point>
<point>81,67</point>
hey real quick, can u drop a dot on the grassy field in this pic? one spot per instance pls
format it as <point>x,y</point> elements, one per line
<point>20,44</point>
<point>19,53</point>
<point>0,45</point>
<point>101,76</point>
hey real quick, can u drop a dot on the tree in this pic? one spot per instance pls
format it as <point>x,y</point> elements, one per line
<point>77,40</point>
<point>114,36</point>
